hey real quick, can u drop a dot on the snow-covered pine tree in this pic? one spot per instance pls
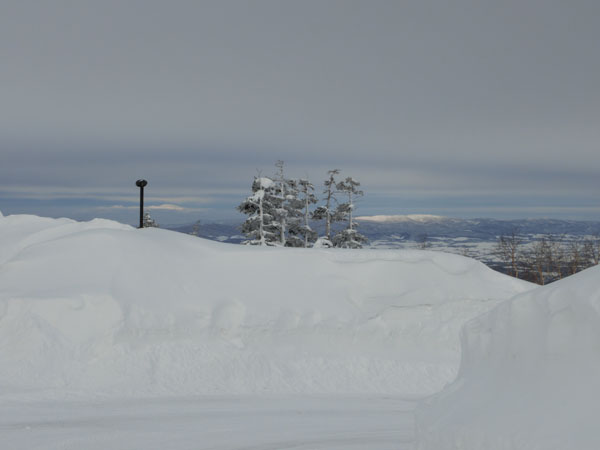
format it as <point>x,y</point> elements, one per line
<point>327,211</point>
<point>259,207</point>
<point>293,209</point>
<point>288,209</point>
<point>295,206</point>
<point>307,199</point>
<point>349,237</point>
<point>148,221</point>
<point>280,212</point>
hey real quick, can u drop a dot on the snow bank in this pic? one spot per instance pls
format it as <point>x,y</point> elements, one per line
<point>529,377</point>
<point>101,308</point>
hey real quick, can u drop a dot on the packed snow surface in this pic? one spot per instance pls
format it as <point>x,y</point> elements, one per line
<point>100,309</point>
<point>530,375</point>
<point>211,423</point>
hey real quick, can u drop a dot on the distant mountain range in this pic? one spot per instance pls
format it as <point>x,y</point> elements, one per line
<point>397,229</point>
<point>414,227</point>
<point>216,231</point>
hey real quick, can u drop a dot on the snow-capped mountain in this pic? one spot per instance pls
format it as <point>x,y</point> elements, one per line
<point>422,218</point>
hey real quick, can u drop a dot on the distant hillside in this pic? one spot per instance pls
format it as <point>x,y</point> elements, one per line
<point>216,231</point>
<point>414,227</point>
<point>392,231</point>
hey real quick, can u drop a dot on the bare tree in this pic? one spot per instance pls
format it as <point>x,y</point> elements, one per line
<point>466,252</point>
<point>308,198</point>
<point>592,249</point>
<point>556,256</point>
<point>509,249</point>
<point>328,212</point>
<point>538,261</point>
<point>423,241</point>
<point>575,256</point>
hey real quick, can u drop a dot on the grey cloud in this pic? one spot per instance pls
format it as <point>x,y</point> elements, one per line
<point>430,97</point>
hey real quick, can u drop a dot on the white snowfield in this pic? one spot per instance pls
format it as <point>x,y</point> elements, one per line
<point>113,337</point>
<point>530,375</point>
<point>100,309</point>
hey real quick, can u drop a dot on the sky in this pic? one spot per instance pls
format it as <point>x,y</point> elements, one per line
<point>462,108</point>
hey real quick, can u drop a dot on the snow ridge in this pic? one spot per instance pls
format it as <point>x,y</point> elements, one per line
<point>103,309</point>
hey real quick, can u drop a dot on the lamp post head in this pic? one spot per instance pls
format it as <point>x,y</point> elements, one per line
<point>141,183</point>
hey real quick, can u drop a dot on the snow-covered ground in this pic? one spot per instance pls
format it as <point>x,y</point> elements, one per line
<point>100,309</point>
<point>113,337</point>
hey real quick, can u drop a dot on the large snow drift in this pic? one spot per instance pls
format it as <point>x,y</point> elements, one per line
<point>103,309</point>
<point>530,375</point>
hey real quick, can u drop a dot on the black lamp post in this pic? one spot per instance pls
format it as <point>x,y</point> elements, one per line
<point>141,184</point>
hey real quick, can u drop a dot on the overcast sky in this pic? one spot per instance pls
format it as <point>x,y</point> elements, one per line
<point>458,108</point>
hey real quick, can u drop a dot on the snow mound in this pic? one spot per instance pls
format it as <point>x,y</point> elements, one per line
<point>103,309</point>
<point>529,377</point>
<point>402,218</point>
